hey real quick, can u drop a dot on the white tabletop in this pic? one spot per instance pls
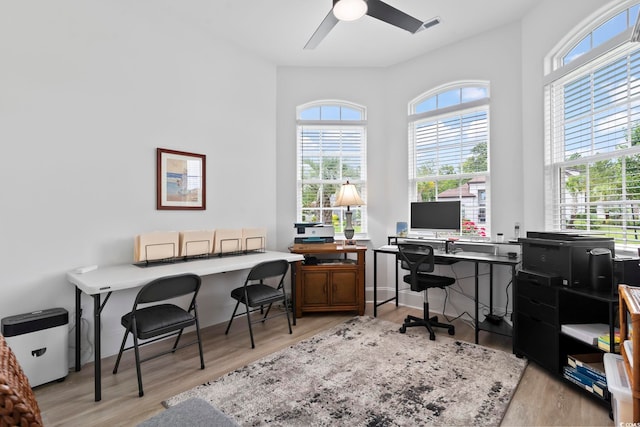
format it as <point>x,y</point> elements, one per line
<point>125,276</point>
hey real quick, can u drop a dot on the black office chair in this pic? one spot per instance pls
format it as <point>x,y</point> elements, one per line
<point>156,322</point>
<point>420,260</point>
<point>255,294</point>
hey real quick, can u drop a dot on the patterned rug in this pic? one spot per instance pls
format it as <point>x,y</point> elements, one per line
<point>363,372</point>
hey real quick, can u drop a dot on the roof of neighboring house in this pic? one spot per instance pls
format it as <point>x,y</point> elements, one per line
<point>478,179</point>
<point>454,193</point>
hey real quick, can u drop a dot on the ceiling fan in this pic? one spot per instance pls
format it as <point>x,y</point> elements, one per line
<point>350,10</point>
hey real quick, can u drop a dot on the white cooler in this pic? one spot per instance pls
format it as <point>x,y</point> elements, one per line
<point>40,341</point>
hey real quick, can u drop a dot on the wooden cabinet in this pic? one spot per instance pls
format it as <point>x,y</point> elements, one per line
<point>330,279</point>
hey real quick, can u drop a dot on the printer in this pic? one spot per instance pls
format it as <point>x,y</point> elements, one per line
<point>311,232</point>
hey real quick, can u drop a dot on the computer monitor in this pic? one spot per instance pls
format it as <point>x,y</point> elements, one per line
<point>435,216</point>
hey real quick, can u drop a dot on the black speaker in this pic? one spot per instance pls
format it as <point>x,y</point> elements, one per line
<point>626,271</point>
<point>600,269</point>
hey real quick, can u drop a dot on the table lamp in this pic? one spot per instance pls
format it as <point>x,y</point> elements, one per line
<point>348,196</point>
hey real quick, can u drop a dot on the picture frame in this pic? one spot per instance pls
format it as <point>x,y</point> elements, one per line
<point>180,180</point>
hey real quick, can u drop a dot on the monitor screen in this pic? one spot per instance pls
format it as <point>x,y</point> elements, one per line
<point>435,215</point>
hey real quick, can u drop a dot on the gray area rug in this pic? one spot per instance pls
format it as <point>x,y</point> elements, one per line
<point>363,372</point>
<point>192,412</point>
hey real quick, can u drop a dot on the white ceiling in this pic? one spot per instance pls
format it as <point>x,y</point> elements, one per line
<point>277,30</point>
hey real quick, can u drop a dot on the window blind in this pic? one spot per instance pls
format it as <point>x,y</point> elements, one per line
<point>593,160</point>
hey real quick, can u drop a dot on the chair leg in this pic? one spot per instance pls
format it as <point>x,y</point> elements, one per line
<point>137,353</point>
<point>286,310</point>
<point>267,313</point>
<point>426,321</point>
<point>124,341</point>
<point>175,344</point>
<point>232,316</point>
<point>250,329</point>
<point>199,341</point>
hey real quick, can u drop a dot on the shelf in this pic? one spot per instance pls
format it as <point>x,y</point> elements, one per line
<point>592,294</point>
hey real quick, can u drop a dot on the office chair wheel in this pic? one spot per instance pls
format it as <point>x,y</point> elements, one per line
<point>432,336</point>
<point>452,330</point>
<point>403,329</point>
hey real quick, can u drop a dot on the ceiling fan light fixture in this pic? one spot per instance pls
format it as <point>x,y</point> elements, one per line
<point>349,10</point>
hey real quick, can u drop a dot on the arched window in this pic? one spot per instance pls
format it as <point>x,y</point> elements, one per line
<point>448,150</point>
<point>332,148</point>
<point>592,150</point>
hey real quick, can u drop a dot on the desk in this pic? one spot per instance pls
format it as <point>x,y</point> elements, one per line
<point>106,280</point>
<point>449,258</point>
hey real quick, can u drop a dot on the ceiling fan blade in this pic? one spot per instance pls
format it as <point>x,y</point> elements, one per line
<point>326,25</point>
<point>389,14</point>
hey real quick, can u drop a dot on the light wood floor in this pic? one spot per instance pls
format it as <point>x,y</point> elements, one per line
<point>539,400</point>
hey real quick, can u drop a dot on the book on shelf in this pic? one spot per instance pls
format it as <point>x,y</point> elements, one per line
<point>604,343</point>
<point>591,385</point>
<point>586,332</point>
<point>590,364</point>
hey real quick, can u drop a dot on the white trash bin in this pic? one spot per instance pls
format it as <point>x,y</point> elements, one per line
<point>620,388</point>
<point>40,341</point>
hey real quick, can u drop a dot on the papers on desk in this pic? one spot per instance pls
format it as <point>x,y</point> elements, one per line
<point>156,246</point>
<point>253,238</point>
<point>167,245</point>
<point>196,243</point>
<point>227,241</point>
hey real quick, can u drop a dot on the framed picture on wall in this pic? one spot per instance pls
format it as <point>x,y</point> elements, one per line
<point>181,179</point>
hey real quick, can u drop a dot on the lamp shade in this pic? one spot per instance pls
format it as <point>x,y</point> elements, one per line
<point>348,196</point>
<point>349,10</point>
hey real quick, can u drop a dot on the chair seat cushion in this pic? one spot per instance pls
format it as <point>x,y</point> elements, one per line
<point>158,320</point>
<point>426,281</point>
<point>258,294</point>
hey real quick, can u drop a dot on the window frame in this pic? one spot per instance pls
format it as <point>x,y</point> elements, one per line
<point>341,126</point>
<point>559,76</point>
<point>460,109</point>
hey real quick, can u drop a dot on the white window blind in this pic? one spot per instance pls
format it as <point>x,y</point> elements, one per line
<point>592,153</point>
<point>448,151</point>
<point>331,150</point>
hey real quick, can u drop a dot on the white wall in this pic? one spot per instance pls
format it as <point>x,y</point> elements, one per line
<point>88,91</point>
<point>542,29</point>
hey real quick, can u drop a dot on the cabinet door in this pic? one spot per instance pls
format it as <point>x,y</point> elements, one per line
<point>344,288</point>
<point>539,342</point>
<point>315,288</point>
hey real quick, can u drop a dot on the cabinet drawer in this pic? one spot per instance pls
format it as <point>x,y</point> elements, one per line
<point>543,294</point>
<point>537,310</point>
<point>537,341</point>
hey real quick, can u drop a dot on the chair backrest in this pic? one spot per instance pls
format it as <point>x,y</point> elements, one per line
<point>18,405</point>
<point>168,287</point>
<point>267,269</point>
<point>416,258</point>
